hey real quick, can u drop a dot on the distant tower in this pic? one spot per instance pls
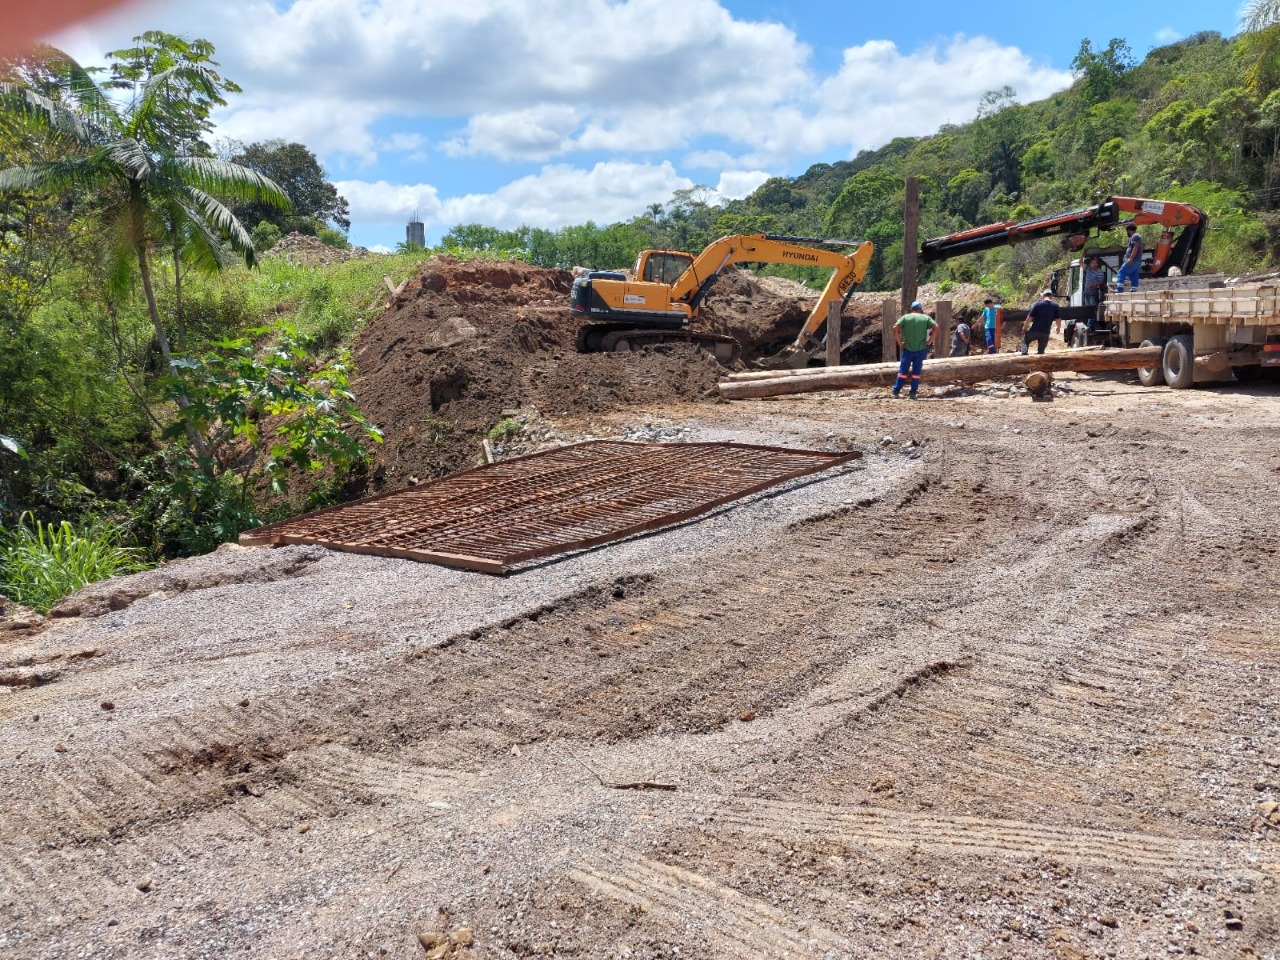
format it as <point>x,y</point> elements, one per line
<point>415,233</point>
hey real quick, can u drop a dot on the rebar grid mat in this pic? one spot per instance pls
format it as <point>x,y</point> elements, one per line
<point>494,517</point>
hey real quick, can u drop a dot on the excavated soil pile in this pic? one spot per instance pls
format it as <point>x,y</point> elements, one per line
<point>465,344</point>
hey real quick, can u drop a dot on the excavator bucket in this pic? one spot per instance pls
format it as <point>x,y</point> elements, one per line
<point>790,357</point>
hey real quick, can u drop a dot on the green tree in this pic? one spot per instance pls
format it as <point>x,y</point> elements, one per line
<point>146,193</point>
<point>1100,71</point>
<point>315,202</point>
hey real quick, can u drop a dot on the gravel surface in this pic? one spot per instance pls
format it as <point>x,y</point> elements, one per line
<point>1004,687</point>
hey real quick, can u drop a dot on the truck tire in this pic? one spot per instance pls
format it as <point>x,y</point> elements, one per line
<point>1179,362</point>
<point>1152,376</point>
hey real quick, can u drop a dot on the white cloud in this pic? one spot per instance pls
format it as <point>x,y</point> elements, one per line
<point>537,133</point>
<point>384,204</point>
<point>736,184</point>
<point>556,196</point>
<point>880,93</point>
<point>1168,35</point>
<point>561,194</point>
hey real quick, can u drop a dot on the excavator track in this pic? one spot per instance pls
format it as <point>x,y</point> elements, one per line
<point>605,338</point>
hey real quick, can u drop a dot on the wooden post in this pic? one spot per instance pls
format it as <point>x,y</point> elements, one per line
<point>942,339</point>
<point>888,346</point>
<point>833,334</point>
<point>910,243</point>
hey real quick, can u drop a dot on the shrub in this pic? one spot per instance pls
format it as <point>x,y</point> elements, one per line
<point>42,563</point>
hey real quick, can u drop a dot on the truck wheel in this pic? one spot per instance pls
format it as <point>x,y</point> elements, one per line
<point>1179,361</point>
<point>1152,376</point>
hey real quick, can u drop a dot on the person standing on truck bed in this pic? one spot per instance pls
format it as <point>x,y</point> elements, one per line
<point>1132,262</point>
<point>1043,315</point>
<point>914,332</point>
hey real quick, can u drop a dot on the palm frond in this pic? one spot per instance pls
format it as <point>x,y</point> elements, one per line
<point>131,156</point>
<point>81,88</point>
<point>225,179</point>
<point>201,247</point>
<point>220,218</point>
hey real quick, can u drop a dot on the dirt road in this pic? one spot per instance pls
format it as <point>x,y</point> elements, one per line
<point>1007,687</point>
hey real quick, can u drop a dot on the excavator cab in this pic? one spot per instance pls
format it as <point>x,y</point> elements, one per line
<point>662,266</point>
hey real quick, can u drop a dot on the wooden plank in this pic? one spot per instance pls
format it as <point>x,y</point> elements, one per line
<point>833,333</point>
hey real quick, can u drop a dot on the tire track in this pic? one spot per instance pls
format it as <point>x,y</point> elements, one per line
<point>982,837</point>
<point>735,925</point>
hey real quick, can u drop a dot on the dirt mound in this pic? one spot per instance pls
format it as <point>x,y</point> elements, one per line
<point>311,251</point>
<point>466,345</point>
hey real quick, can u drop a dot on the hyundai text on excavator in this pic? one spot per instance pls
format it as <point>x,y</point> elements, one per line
<point>661,302</point>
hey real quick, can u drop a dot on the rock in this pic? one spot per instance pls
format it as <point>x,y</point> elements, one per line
<point>244,702</point>
<point>434,281</point>
<point>463,937</point>
<point>1000,394</point>
<point>430,940</point>
<point>59,748</point>
<point>887,441</point>
<point>230,548</point>
<point>303,827</point>
<point>107,705</point>
<point>144,884</point>
<point>746,716</point>
<point>1107,920</point>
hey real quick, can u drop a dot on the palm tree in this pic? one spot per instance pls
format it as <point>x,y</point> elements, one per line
<point>150,189</point>
<point>1260,14</point>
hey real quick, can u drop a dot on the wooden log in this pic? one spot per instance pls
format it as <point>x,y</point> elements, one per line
<point>745,376</point>
<point>910,242</point>
<point>833,333</point>
<point>888,346</point>
<point>942,338</point>
<point>952,370</point>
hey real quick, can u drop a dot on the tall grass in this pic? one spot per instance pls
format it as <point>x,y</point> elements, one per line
<point>41,563</point>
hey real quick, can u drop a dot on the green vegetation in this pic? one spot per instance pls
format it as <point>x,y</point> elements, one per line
<point>506,427</point>
<point>41,563</point>
<point>138,379</point>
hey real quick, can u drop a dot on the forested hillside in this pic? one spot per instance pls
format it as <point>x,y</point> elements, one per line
<point>151,395</point>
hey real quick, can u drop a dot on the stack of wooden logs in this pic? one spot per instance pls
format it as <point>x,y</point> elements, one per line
<point>773,383</point>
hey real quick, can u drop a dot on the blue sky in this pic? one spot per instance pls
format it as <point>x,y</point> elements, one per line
<point>552,112</point>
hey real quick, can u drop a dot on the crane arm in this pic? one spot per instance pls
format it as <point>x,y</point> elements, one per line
<point>1078,224</point>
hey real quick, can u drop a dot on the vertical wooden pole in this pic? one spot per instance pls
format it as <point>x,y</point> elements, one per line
<point>833,334</point>
<point>942,340</point>
<point>910,243</point>
<point>888,346</point>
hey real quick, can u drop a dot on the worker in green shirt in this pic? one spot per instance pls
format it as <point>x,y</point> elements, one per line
<point>914,332</point>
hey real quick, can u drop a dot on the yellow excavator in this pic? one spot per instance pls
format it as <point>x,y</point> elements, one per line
<point>659,302</point>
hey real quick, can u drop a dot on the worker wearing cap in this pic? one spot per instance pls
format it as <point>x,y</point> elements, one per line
<point>914,332</point>
<point>1043,315</point>
<point>1132,262</point>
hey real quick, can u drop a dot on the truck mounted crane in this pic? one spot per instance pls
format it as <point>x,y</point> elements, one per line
<point>660,302</point>
<point>1180,251</point>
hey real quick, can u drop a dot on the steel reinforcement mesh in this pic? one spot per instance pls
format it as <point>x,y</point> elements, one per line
<point>494,517</point>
